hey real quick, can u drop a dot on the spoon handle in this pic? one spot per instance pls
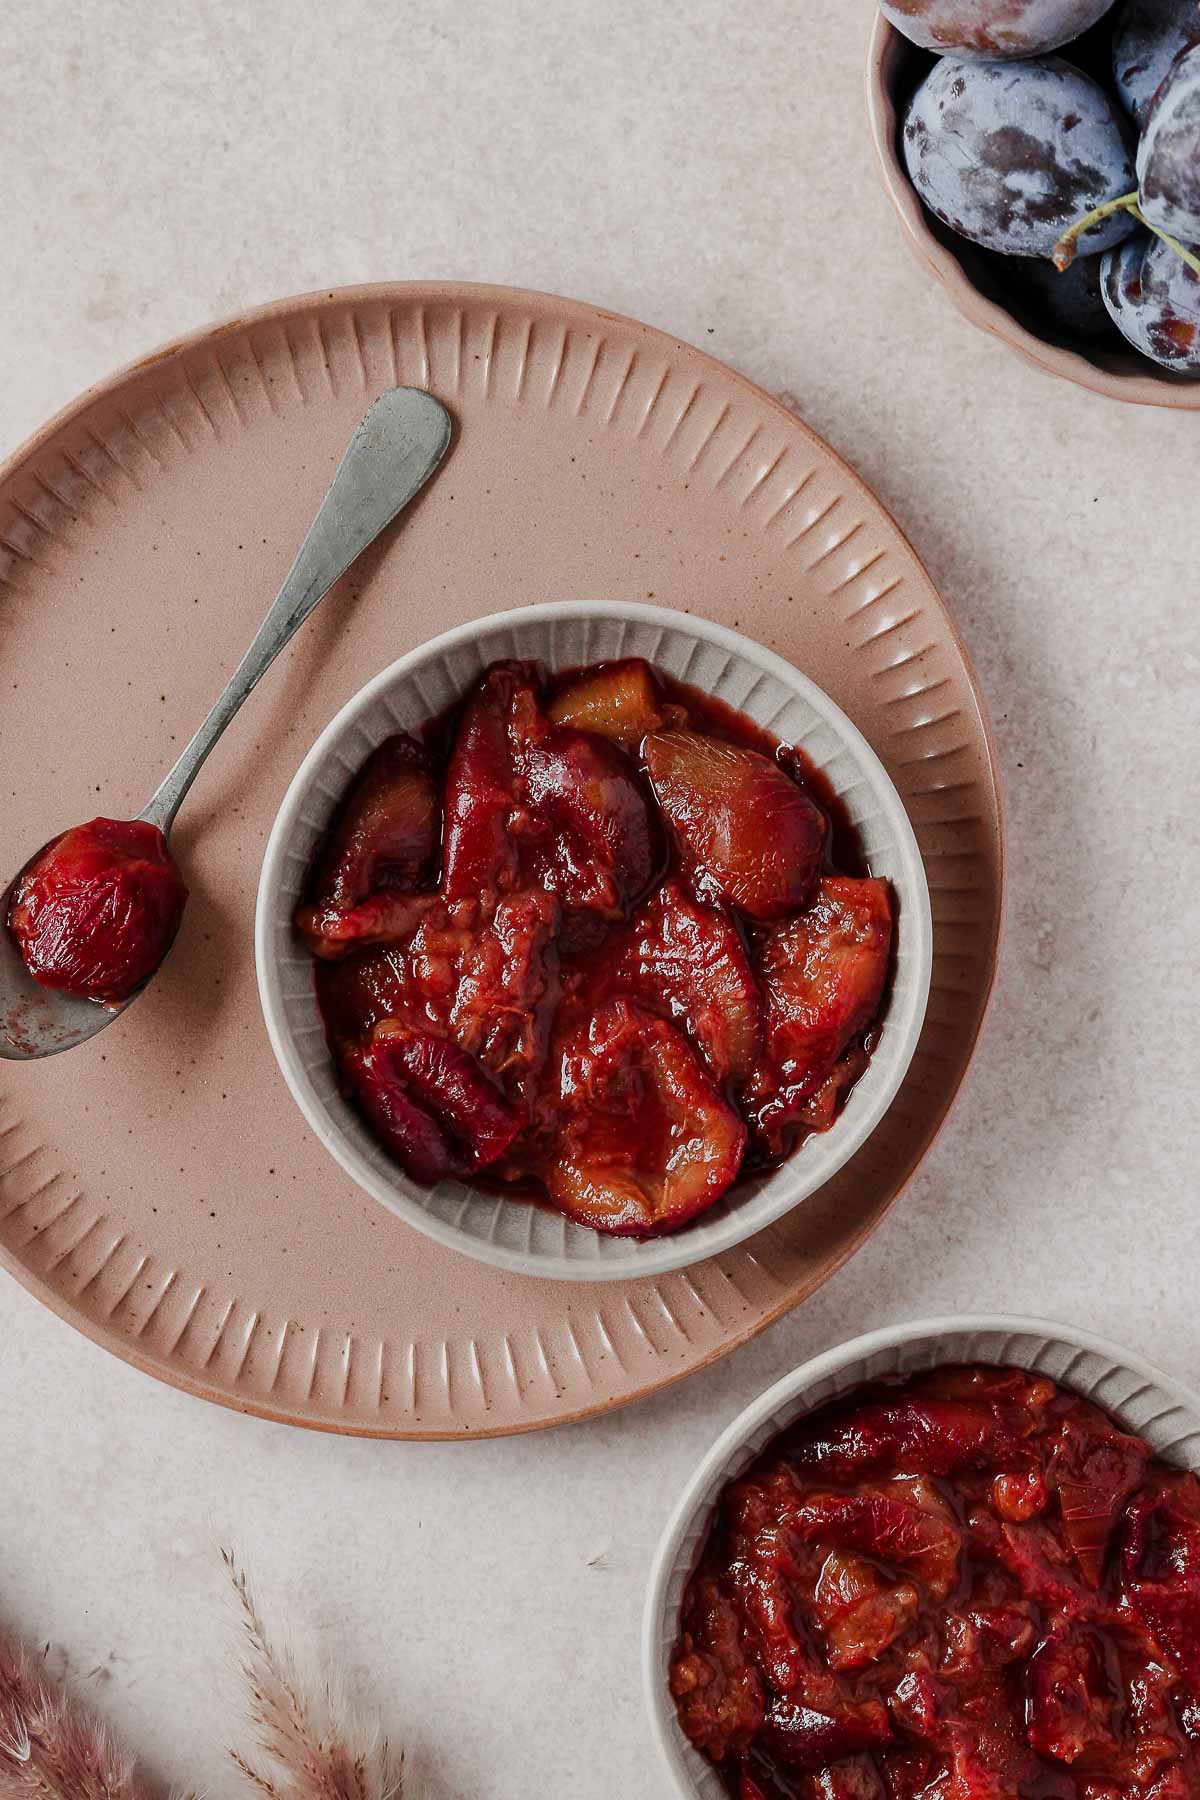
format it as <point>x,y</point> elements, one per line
<point>392,454</point>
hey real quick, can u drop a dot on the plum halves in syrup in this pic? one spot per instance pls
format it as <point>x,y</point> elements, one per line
<point>95,912</point>
<point>587,940</point>
<point>968,1585</point>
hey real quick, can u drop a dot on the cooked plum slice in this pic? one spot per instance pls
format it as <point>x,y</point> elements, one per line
<point>688,958</point>
<point>646,1141</point>
<point>386,833</point>
<point>1161,1560</point>
<point>804,1737</point>
<point>862,1558</point>
<point>814,1103</point>
<point>718,1690</point>
<point>601,847</point>
<point>572,885</point>
<point>1095,1469</point>
<point>825,971</point>
<point>1070,1707</point>
<point>400,1123</point>
<point>451,1084</point>
<point>747,832</point>
<point>332,932</point>
<point>983,1638</point>
<point>1044,1568</point>
<point>96,911</point>
<point>479,851</point>
<point>894,1530</point>
<point>430,1103</point>
<point>860,1613</point>
<point>507,986</point>
<point>618,700</point>
<point>939,1437</point>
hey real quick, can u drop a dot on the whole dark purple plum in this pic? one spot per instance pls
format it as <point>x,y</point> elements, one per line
<point>1011,154</point>
<point>1154,299</point>
<point>1150,36</point>
<point>993,28</point>
<point>1168,158</point>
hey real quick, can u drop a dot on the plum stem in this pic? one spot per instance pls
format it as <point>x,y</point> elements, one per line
<point>1189,256</point>
<point>1068,243</point>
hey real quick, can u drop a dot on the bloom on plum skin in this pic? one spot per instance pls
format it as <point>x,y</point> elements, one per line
<point>1150,37</point>
<point>1010,156</point>
<point>999,28</point>
<point>1168,159</point>
<point>1154,299</point>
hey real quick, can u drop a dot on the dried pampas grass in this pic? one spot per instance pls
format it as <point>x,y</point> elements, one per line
<point>304,1748</point>
<point>51,1749</point>
<point>312,1749</point>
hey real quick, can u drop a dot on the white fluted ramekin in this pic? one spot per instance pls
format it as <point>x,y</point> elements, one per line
<point>511,1233</point>
<point>1138,1395</point>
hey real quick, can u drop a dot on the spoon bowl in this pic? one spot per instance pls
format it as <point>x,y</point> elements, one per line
<point>392,454</point>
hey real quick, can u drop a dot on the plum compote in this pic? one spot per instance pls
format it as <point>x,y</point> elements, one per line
<point>965,1585</point>
<point>597,939</point>
<point>96,911</point>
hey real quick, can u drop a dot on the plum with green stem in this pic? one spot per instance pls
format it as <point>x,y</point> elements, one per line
<point>1009,154</point>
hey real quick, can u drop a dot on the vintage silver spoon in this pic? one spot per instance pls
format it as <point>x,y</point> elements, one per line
<point>391,456</point>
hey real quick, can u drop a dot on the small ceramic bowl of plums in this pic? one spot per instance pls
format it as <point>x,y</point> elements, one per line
<point>592,938</point>
<point>1044,159</point>
<point>957,1558</point>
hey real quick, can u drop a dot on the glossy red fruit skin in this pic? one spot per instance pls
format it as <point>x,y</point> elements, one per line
<point>97,910</point>
<point>747,834</point>
<point>645,1141</point>
<point>386,831</point>
<point>403,1126</point>
<point>602,847</point>
<point>1161,1562</point>
<point>479,851</point>
<point>454,1088</point>
<point>824,974</point>
<point>941,1436</point>
<point>430,1103</point>
<point>687,959</point>
<point>863,1559</point>
<point>332,932</point>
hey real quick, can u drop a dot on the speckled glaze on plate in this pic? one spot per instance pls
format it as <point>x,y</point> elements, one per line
<point>893,68</point>
<point>158,1188</point>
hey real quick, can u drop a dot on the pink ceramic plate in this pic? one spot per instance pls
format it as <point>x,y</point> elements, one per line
<point>157,1186</point>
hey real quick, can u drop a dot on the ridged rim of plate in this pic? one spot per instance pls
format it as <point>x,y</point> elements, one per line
<point>640,383</point>
<point>1077,1359</point>
<point>585,1255</point>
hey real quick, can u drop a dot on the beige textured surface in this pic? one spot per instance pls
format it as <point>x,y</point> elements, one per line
<point>169,164</point>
